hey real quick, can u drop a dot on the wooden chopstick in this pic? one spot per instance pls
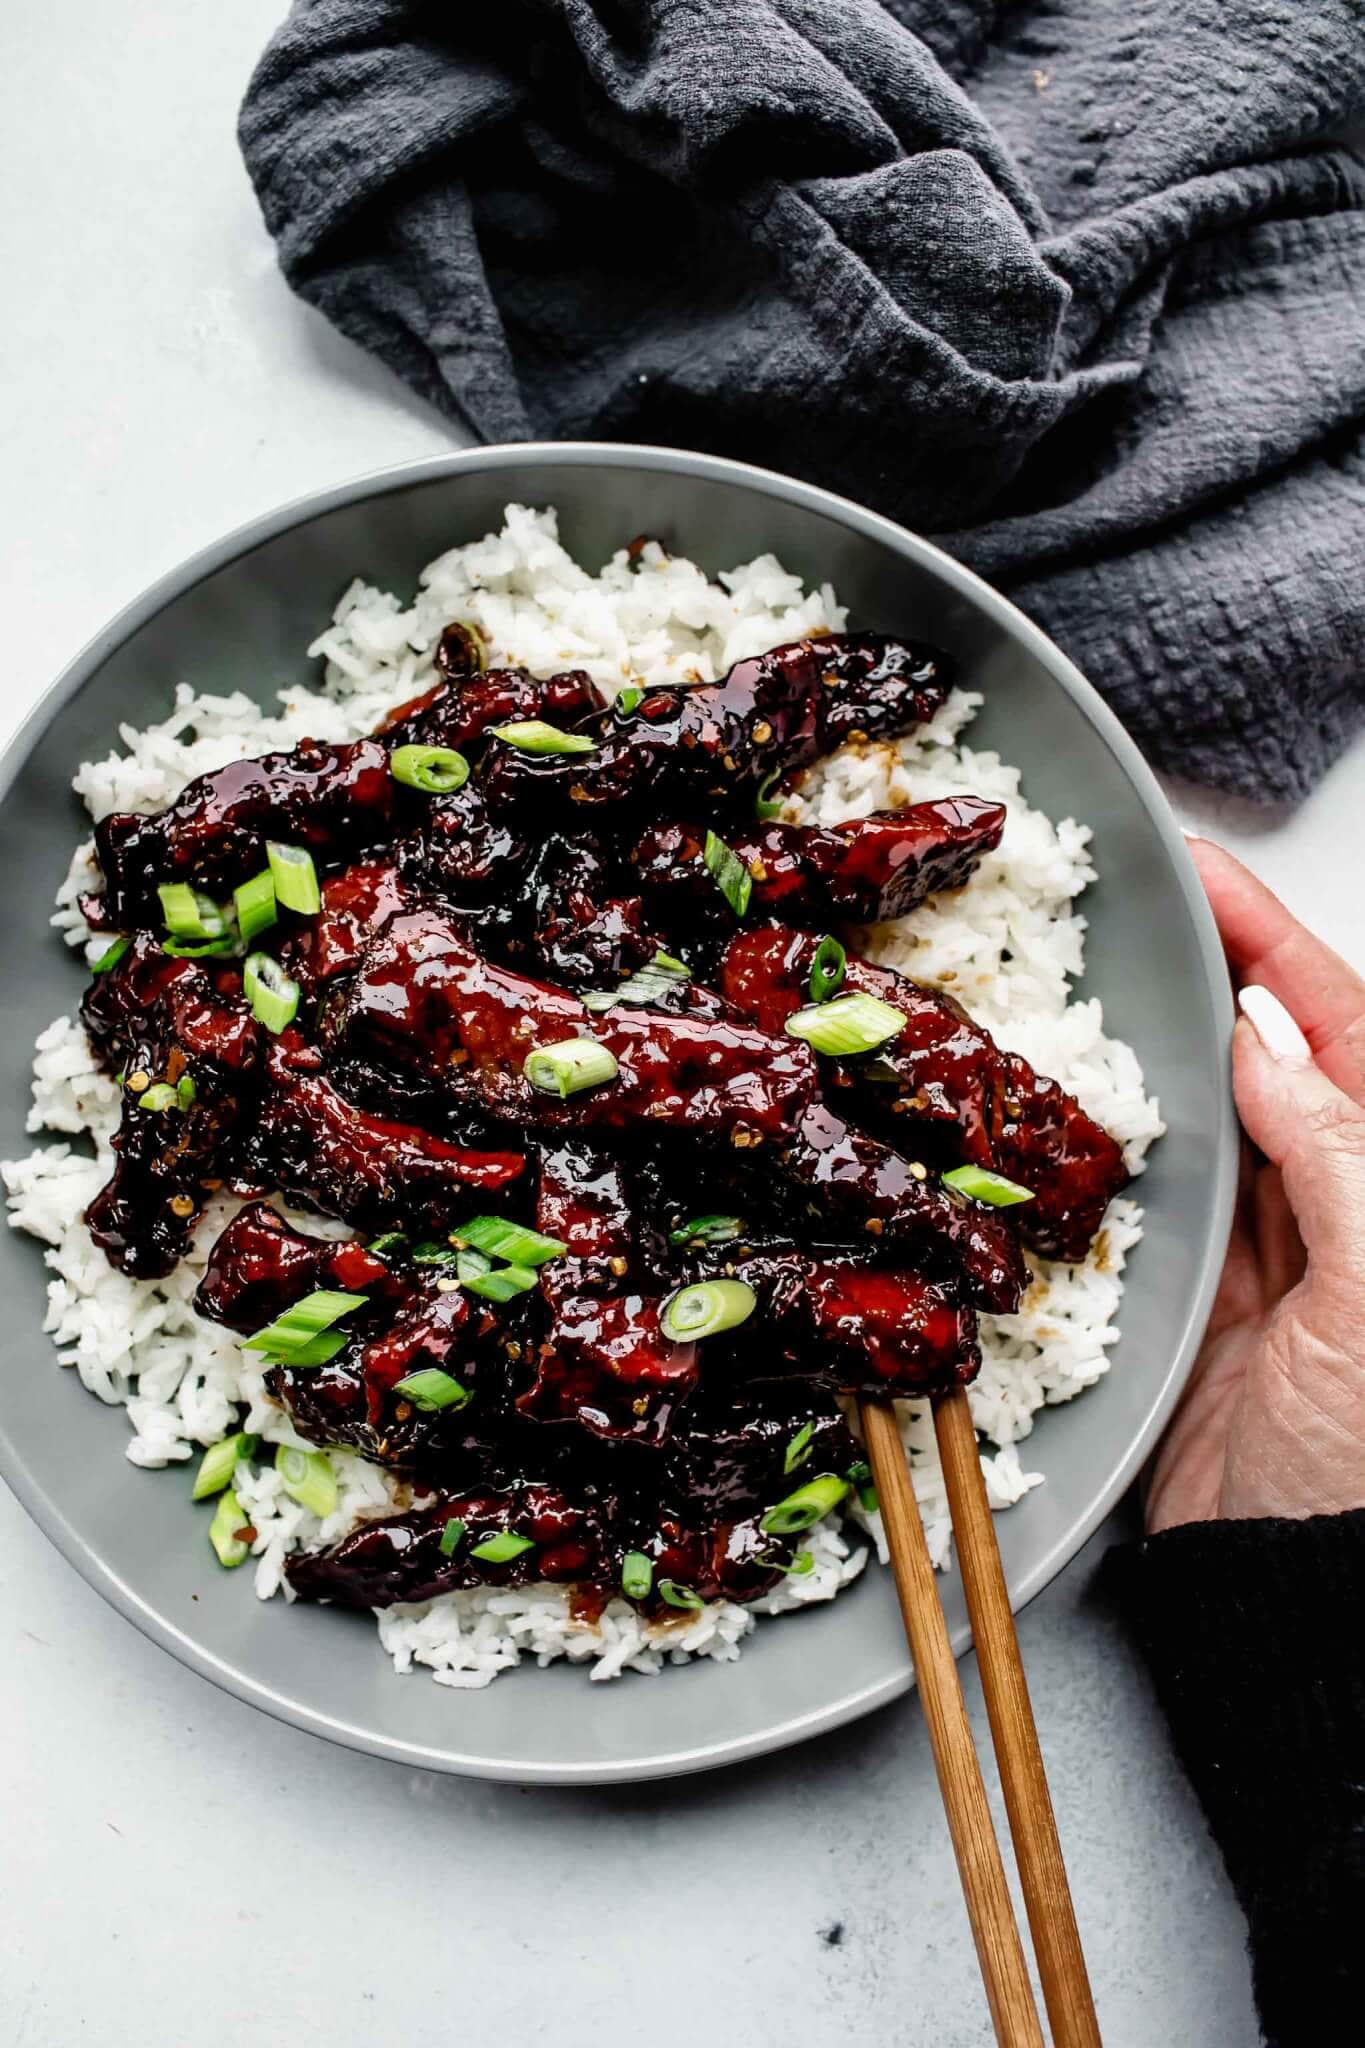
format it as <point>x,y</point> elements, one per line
<point>1033,1825</point>
<point>989,1908</point>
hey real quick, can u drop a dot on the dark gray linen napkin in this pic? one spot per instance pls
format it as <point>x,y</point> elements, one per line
<point>1077,286</point>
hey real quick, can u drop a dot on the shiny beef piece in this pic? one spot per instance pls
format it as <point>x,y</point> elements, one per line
<point>604,1362</point>
<point>356,904</point>
<point>954,1088</point>
<point>322,1149</point>
<point>872,868</point>
<point>260,1266</point>
<point>715,742</point>
<point>400,1557</point>
<point>332,799</point>
<point>578,929</point>
<point>727,1457</point>
<point>426,1002</point>
<point>468,854</point>
<point>457,711</point>
<point>863,1329</point>
<point>204,1044</point>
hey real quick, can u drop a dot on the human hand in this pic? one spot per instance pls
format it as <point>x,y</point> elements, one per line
<point>1273,1420</point>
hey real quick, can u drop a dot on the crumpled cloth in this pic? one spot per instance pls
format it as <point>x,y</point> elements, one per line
<point>1075,286</point>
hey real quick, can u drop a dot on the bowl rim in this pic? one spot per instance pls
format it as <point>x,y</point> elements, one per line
<point>48,1512</point>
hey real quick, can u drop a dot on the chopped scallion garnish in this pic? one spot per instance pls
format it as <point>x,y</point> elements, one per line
<point>675,1595</point>
<point>295,877</point>
<point>800,1509</point>
<point>429,1253</point>
<point>658,977</point>
<point>707,1230</point>
<point>185,1091</point>
<point>188,913</point>
<point>308,1478</point>
<point>200,949</point>
<point>637,1575</point>
<point>228,1517</point>
<point>798,1450</point>
<point>569,1066</point>
<point>502,1548</point>
<point>295,1337</point>
<point>801,1566</point>
<point>388,1242</point>
<point>111,955</point>
<point>860,1477</point>
<point>827,970</point>
<point>158,1097</point>
<point>255,905</point>
<point>272,994</point>
<point>499,1284</point>
<point>436,771</point>
<point>766,806</point>
<point>706,1308</point>
<point>849,1024</point>
<point>534,736</point>
<point>629,699</point>
<point>729,873</point>
<point>431,1390</point>
<point>450,1535</point>
<point>511,1241</point>
<point>220,1461</point>
<point>987,1187</point>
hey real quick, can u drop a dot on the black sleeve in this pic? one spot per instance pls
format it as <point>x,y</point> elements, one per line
<point>1255,1634</point>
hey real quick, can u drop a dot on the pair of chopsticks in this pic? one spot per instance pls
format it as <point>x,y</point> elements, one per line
<point>1033,1826</point>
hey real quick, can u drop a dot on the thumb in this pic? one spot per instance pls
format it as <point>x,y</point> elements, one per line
<point>1308,1127</point>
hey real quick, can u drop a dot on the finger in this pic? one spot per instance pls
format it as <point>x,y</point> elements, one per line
<point>1280,1255</point>
<point>1267,945</point>
<point>1308,1127</point>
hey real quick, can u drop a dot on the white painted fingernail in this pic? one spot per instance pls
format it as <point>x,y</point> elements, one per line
<point>1196,836</point>
<point>1273,1025</point>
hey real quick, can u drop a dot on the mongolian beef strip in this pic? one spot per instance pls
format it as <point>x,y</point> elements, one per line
<point>457,711</point>
<point>714,743</point>
<point>355,905</point>
<point>872,868</point>
<point>738,1449</point>
<point>426,1002</point>
<point>331,799</point>
<point>402,1557</point>
<point>192,1061</point>
<point>605,1361</point>
<point>947,1079</point>
<point>320,1148</point>
<point>260,1266</point>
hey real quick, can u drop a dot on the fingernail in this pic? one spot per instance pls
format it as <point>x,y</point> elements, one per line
<point>1186,832</point>
<point>1273,1025</point>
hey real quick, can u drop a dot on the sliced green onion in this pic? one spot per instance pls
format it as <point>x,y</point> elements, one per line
<point>188,913</point>
<point>272,994</point>
<point>111,955</point>
<point>390,1241</point>
<point>185,1091</point>
<point>729,873</point>
<point>798,1450</point>
<point>707,1230</point>
<point>801,1566</point>
<point>680,1596</point>
<point>306,1324</point>
<point>228,1517</point>
<point>637,1575</point>
<point>219,1462</point>
<point>500,1284</point>
<point>860,1476</point>
<point>200,949</point>
<point>428,1253</point>
<point>308,1478</point>
<point>827,970</point>
<point>629,699</point>
<point>656,978</point>
<point>450,1536</point>
<point>255,905</point>
<point>502,1548</point>
<point>534,736</point>
<point>159,1096</point>
<point>316,1352</point>
<point>706,1308</point>
<point>295,877</point>
<point>987,1187</point>
<point>511,1241</point>
<point>431,1390</point>
<point>436,771</point>
<point>848,1024</point>
<point>569,1066</point>
<point>766,806</point>
<point>800,1509</point>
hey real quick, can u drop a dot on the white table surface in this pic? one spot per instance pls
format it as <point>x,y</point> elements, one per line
<point>178,1870</point>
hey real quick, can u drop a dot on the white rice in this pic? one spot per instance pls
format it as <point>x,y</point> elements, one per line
<point>1008,946</point>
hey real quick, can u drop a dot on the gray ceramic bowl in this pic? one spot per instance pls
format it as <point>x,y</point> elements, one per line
<point>239,615</point>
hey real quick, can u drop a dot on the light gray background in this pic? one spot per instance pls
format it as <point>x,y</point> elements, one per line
<point>177,1869</point>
